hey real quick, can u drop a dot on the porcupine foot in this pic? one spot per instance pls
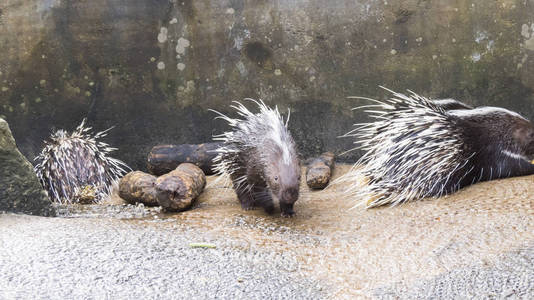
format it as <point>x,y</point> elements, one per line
<point>287,210</point>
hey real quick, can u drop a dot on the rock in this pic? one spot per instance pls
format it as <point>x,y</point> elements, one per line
<point>20,190</point>
<point>177,190</point>
<point>163,159</point>
<point>320,170</point>
<point>137,187</point>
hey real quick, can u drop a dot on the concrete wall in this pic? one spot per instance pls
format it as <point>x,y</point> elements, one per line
<point>152,68</point>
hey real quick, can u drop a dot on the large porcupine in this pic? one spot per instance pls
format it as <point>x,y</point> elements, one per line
<point>260,157</point>
<point>419,148</point>
<point>75,166</point>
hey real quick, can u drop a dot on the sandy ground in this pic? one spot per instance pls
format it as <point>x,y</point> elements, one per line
<point>477,242</point>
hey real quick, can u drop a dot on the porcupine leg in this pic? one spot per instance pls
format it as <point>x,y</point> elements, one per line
<point>242,189</point>
<point>260,192</point>
<point>262,197</point>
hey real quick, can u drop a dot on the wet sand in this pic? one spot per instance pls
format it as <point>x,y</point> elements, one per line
<point>381,252</point>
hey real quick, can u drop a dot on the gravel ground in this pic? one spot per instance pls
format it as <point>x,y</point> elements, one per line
<point>511,276</point>
<point>477,243</point>
<point>59,258</point>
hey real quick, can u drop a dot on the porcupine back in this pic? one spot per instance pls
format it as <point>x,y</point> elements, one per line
<point>417,148</point>
<point>70,162</point>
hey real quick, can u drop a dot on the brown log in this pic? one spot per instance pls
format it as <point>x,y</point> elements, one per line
<point>319,171</point>
<point>177,190</point>
<point>137,187</point>
<point>163,159</point>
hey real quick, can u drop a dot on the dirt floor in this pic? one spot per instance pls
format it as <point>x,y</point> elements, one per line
<point>358,250</point>
<point>477,242</point>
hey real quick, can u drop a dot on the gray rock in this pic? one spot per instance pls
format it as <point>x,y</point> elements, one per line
<point>20,190</point>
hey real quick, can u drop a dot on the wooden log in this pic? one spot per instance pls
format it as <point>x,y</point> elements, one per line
<point>163,159</point>
<point>319,171</point>
<point>178,189</point>
<point>137,187</point>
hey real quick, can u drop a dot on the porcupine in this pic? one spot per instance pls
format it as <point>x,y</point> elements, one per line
<point>260,157</point>
<point>418,148</point>
<point>71,164</point>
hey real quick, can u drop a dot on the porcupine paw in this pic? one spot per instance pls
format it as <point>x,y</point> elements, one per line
<point>287,210</point>
<point>247,205</point>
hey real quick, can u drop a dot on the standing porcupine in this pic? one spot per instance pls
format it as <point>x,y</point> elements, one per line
<point>419,148</point>
<point>76,167</point>
<point>260,157</point>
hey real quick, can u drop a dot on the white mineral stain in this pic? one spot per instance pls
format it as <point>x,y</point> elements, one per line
<point>230,11</point>
<point>180,66</point>
<point>190,86</point>
<point>161,65</point>
<point>490,45</point>
<point>475,56</point>
<point>238,43</point>
<point>525,31</point>
<point>173,21</point>
<point>181,45</point>
<point>454,40</point>
<point>277,72</point>
<point>162,36</point>
<point>393,51</point>
<point>480,36</point>
<point>434,56</point>
<point>529,44</point>
<point>241,68</point>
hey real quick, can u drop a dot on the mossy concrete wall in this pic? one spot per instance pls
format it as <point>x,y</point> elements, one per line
<point>152,68</point>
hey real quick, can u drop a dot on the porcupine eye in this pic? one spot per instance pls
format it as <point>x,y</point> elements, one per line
<point>276,178</point>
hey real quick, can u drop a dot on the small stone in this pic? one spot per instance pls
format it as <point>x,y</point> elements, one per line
<point>319,171</point>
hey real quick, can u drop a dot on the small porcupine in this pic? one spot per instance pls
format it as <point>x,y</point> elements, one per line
<point>71,165</point>
<point>418,148</point>
<point>260,157</point>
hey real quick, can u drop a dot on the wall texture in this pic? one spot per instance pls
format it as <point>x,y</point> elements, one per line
<point>152,68</point>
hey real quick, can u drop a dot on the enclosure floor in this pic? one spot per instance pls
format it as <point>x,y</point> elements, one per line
<point>478,241</point>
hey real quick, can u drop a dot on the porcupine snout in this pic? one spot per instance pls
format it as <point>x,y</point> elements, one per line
<point>287,199</point>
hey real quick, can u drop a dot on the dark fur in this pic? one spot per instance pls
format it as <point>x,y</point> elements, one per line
<point>487,136</point>
<point>264,180</point>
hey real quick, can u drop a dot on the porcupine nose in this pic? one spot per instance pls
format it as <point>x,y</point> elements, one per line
<point>290,195</point>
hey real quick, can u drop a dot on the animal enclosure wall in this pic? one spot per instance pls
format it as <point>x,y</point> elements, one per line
<point>152,68</point>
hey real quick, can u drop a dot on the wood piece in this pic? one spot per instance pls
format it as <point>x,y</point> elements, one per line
<point>137,187</point>
<point>163,159</point>
<point>319,171</point>
<point>177,190</point>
